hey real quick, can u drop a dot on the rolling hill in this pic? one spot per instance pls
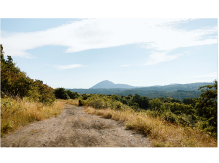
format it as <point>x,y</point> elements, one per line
<point>177,91</point>
<point>108,85</point>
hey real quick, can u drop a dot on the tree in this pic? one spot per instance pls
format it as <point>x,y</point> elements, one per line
<point>14,82</point>
<point>155,104</point>
<point>136,98</point>
<point>144,102</point>
<point>61,93</point>
<point>206,104</point>
<point>189,101</point>
<point>85,96</point>
<point>72,95</point>
<point>46,93</point>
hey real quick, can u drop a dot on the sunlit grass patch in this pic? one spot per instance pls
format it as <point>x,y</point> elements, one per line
<point>69,101</point>
<point>20,112</point>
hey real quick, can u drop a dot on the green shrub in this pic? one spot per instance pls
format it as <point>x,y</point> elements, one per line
<point>72,95</point>
<point>61,93</point>
<point>151,113</point>
<point>81,102</point>
<point>189,101</point>
<point>169,116</point>
<point>98,103</point>
<point>155,104</point>
<point>206,104</point>
<point>85,96</point>
<point>103,101</point>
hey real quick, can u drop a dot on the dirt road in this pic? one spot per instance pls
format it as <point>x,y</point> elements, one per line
<point>75,128</point>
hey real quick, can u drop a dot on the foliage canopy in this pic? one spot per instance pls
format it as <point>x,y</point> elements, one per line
<point>14,82</point>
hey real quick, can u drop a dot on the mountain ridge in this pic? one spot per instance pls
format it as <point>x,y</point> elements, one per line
<point>106,84</point>
<point>176,91</point>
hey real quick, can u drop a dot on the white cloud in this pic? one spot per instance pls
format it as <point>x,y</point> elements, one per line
<point>213,74</point>
<point>68,66</point>
<point>159,57</point>
<point>156,34</point>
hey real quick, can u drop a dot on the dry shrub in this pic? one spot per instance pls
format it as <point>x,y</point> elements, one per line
<point>161,133</point>
<point>20,112</point>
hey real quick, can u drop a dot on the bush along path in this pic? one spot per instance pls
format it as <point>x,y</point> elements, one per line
<point>75,128</point>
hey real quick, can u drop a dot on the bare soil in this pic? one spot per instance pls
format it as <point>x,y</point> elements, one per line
<point>75,128</point>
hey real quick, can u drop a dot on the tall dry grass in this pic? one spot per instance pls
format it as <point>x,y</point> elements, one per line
<point>161,133</point>
<point>20,112</point>
<point>69,101</point>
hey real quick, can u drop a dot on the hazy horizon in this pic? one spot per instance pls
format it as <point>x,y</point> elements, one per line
<point>141,86</point>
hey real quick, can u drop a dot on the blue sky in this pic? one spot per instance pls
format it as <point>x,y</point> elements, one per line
<point>78,53</point>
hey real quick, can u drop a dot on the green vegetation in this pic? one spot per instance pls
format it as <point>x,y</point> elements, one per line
<point>102,101</point>
<point>199,113</point>
<point>61,93</point>
<point>206,107</point>
<point>14,83</point>
<point>23,100</point>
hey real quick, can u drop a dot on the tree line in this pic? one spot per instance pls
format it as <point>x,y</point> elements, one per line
<point>14,82</point>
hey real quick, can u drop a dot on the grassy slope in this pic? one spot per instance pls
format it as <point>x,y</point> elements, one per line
<point>20,112</point>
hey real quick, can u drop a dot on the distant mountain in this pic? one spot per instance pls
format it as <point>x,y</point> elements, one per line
<point>108,85</point>
<point>177,91</point>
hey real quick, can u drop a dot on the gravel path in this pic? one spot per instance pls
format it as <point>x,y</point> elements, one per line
<point>75,128</point>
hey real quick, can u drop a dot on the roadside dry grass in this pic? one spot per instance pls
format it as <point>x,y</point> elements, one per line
<point>20,112</point>
<point>75,128</point>
<point>69,101</point>
<point>161,133</point>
